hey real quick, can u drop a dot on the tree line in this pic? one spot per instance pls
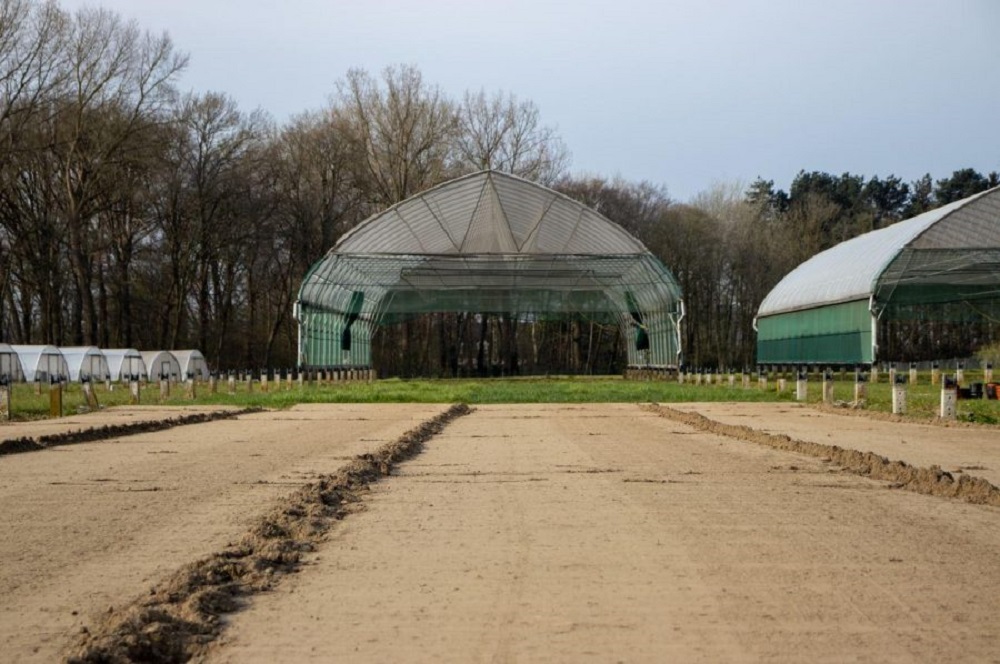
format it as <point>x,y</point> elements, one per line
<point>135,215</point>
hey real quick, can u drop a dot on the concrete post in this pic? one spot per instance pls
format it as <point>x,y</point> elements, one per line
<point>949,399</point>
<point>988,373</point>
<point>289,380</point>
<point>232,383</point>
<point>782,385</point>
<point>89,396</point>
<point>899,397</point>
<point>762,379</point>
<point>213,384</point>
<point>249,382</point>
<point>892,375</point>
<point>263,381</point>
<point>732,379</point>
<point>745,380</point>
<point>189,388</point>
<point>827,387</point>
<point>935,374</point>
<point>960,373</point>
<point>801,386</point>
<point>860,388</point>
<point>874,373</point>
<point>913,373</point>
<point>134,392</point>
<point>164,388</point>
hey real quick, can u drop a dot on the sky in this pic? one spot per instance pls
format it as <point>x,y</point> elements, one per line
<point>681,94</point>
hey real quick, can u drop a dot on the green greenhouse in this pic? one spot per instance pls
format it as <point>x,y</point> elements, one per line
<point>922,288</point>
<point>487,242</point>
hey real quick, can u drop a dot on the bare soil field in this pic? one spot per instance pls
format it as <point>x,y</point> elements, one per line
<point>521,533</point>
<point>607,533</point>
<point>110,416</point>
<point>972,450</point>
<point>90,526</point>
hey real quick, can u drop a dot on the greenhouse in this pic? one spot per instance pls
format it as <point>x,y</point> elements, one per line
<point>923,288</point>
<point>85,363</point>
<point>10,365</point>
<point>161,365</point>
<point>42,363</point>
<point>125,363</point>
<point>488,242</point>
<point>192,364</point>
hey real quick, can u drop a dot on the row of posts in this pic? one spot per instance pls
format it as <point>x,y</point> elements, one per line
<point>898,380</point>
<point>264,381</point>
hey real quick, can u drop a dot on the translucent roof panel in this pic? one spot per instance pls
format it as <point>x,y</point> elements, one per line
<point>488,213</point>
<point>124,362</point>
<point>41,362</point>
<point>192,363</point>
<point>85,362</point>
<point>161,364</point>
<point>850,270</point>
<point>10,365</point>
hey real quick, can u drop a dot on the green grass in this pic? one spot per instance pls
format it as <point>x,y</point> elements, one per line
<point>923,398</point>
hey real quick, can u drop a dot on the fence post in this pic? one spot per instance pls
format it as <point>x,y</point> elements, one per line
<point>899,396</point>
<point>5,412</point>
<point>801,385</point>
<point>55,398</point>
<point>134,391</point>
<point>949,398</point>
<point>860,388</point>
<point>828,387</point>
<point>960,373</point>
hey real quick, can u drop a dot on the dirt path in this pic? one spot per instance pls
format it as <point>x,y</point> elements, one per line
<point>606,533</point>
<point>970,450</point>
<point>93,525</point>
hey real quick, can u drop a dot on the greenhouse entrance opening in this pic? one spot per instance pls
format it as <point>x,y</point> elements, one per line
<point>489,274</point>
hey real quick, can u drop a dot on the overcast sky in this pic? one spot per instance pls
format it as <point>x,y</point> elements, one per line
<point>683,94</point>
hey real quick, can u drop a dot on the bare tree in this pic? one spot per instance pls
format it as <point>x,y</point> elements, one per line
<point>119,80</point>
<point>400,129</point>
<point>503,133</point>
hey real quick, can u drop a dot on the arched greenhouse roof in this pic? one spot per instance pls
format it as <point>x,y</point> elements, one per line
<point>841,305</point>
<point>852,270</point>
<point>489,213</point>
<point>488,242</point>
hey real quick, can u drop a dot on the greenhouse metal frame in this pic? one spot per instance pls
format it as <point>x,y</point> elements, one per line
<point>486,243</point>
<point>940,266</point>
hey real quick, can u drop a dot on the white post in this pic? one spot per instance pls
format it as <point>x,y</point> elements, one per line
<point>899,398</point>
<point>949,399</point>
<point>827,387</point>
<point>801,386</point>
<point>860,389</point>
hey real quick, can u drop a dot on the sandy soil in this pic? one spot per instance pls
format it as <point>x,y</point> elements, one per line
<point>116,415</point>
<point>93,525</point>
<point>607,533</point>
<point>971,450</point>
